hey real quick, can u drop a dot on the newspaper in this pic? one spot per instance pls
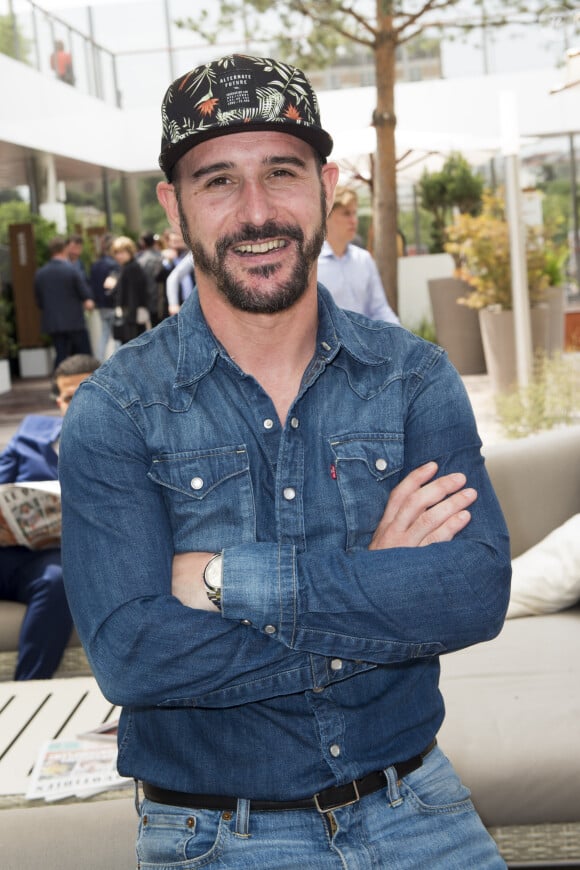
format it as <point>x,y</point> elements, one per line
<point>75,768</point>
<point>108,731</point>
<point>30,514</point>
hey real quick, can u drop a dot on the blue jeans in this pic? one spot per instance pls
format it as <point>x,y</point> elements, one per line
<point>424,821</point>
<point>34,578</point>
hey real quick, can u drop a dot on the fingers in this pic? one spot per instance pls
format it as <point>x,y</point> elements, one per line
<point>423,511</point>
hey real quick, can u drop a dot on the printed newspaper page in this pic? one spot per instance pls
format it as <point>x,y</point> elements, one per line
<point>75,768</point>
<point>30,514</point>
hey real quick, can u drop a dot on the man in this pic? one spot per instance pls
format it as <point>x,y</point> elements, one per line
<point>74,252</point>
<point>347,270</point>
<point>34,577</point>
<point>63,297</point>
<point>263,560</point>
<point>179,275</point>
<point>149,258</point>
<point>102,268</point>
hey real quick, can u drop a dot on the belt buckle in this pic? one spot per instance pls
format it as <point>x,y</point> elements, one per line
<point>339,806</point>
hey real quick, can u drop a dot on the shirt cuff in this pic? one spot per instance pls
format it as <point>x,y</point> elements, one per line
<point>259,588</point>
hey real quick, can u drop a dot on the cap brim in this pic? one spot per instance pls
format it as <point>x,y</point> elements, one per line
<point>316,137</point>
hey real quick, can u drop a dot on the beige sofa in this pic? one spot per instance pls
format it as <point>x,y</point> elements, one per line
<point>513,705</point>
<point>513,708</point>
<point>73,662</point>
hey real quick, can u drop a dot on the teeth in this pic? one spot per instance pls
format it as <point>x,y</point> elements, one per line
<point>260,248</point>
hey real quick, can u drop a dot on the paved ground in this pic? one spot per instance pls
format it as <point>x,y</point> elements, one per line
<point>32,396</point>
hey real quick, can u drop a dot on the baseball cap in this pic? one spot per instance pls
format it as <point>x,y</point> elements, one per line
<point>235,94</point>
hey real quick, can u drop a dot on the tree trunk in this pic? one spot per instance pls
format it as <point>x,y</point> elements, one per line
<point>385,176</point>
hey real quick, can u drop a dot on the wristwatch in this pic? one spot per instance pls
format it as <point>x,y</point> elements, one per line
<point>212,579</point>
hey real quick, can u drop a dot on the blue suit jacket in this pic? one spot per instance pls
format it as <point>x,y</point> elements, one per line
<point>30,454</point>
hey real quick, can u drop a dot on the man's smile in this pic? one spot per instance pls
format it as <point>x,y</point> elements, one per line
<point>260,247</point>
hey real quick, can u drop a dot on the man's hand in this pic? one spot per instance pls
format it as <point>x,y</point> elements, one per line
<point>187,580</point>
<point>423,511</point>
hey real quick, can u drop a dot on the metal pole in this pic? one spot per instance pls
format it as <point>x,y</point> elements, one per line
<point>575,220</point>
<point>169,41</point>
<point>517,235</point>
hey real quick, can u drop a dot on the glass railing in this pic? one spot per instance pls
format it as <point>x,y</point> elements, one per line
<point>57,48</point>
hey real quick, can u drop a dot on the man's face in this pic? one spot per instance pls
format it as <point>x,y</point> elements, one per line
<point>74,250</point>
<point>67,386</point>
<point>343,221</point>
<point>252,208</point>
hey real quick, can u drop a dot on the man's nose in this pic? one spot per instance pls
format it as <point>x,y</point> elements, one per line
<point>256,205</point>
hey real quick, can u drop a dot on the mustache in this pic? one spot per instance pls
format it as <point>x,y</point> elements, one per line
<point>251,233</point>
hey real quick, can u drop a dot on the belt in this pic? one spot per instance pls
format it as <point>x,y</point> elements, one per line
<point>325,801</point>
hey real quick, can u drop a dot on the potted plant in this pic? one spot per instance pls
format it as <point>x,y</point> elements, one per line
<point>481,248</point>
<point>7,343</point>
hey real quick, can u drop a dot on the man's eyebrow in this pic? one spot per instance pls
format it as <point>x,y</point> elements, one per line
<point>289,158</point>
<point>274,160</point>
<point>212,167</point>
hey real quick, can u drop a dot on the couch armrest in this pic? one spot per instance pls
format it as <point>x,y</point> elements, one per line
<point>537,481</point>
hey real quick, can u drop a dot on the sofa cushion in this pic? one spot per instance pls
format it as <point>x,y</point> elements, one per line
<point>546,578</point>
<point>93,835</point>
<point>513,720</point>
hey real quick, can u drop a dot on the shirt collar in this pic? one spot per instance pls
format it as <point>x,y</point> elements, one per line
<point>354,344</point>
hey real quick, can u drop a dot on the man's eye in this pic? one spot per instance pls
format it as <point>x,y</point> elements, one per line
<point>219,181</point>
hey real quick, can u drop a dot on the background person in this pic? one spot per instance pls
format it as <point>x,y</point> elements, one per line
<point>104,267</point>
<point>346,269</point>
<point>61,63</point>
<point>63,298</point>
<point>34,577</point>
<point>130,291</point>
<point>149,258</point>
<point>270,541</point>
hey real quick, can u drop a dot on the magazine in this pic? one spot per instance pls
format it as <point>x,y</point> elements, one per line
<point>75,768</point>
<point>30,514</point>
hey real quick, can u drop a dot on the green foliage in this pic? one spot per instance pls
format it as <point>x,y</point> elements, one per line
<point>552,398</point>
<point>7,342</point>
<point>455,186</point>
<point>12,41</point>
<point>481,247</point>
<point>407,225</point>
<point>426,330</point>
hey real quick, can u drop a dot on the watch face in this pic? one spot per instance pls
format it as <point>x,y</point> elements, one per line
<point>213,572</point>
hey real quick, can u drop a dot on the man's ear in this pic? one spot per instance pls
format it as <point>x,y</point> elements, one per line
<point>330,174</point>
<point>168,200</point>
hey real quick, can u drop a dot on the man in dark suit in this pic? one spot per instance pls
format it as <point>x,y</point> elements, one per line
<point>63,296</point>
<point>34,577</point>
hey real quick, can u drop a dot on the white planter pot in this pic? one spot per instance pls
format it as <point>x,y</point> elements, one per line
<point>498,337</point>
<point>5,379</point>
<point>36,362</point>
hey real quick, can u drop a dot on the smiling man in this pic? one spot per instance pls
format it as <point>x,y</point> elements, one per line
<point>273,526</point>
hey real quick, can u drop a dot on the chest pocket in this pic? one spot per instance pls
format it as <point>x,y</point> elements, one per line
<point>209,497</point>
<point>367,468</point>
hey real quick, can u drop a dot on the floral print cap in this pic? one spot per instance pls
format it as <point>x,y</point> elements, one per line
<point>234,94</point>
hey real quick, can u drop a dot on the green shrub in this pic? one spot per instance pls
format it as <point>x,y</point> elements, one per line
<point>552,398</point>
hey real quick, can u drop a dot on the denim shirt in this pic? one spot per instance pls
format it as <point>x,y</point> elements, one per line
<point>323,665</point>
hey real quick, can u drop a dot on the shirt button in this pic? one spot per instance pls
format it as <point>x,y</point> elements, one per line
<point>289,493</point>
<point>336,665</point>
<point>268,424</point>
<point>270,629</point>
<point>335,750</point>
<point>318,689</point>
<point>196,483</point>
<point>381,464</point>
<point>325,345</point>
<point>246,621</point>
<point>295,422</point>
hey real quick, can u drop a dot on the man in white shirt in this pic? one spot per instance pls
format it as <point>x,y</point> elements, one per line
<point>348,271</point>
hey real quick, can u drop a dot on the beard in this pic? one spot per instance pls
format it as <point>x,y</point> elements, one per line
<point>240,294</point>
